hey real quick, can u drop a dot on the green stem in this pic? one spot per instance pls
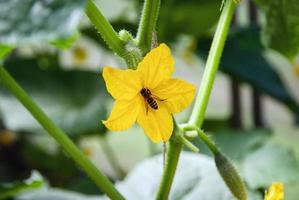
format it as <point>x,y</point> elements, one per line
<point>187,143</point>
<point>210,143</point>
<point>105,29</point>
<point>173,153</point>
<point>147,24</point>
<point>101,180</point>
<point>212,64</point>
<point>131,55</point>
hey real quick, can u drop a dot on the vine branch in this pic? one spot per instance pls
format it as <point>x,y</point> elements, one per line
<point>102,181</point>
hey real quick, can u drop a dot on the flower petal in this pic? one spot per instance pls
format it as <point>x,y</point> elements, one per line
<point>275,192</point>
<point>157,124</point>
<point>123,115</point>
<point>156,66</point>
<point>122,84</point>
<point>178,94</point>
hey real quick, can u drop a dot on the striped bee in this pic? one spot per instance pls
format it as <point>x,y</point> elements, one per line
<point>150,99</point>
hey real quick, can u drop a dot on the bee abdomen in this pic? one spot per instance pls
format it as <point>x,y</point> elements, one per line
<point>152,103</point>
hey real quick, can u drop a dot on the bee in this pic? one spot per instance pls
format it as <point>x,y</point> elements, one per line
<point>150,99</point>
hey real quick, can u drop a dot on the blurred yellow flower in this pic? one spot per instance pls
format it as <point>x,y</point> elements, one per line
<point>296,69</point>
<point>147,95</point>
<point>275,192</point>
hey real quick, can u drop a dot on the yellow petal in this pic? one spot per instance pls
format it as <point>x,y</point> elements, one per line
<point>156,66</point>
<point>176,94</point>
<point>157,124</point>
<point>124,114</point>
<point>122,84</point>
<point>275,192</point>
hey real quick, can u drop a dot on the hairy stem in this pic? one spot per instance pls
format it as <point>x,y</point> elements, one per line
<point>105,29</point>
<point>147,24</point>
<point>173,153</point>
<point>132,56</point>
<point>212,64</point>
<point>60,137</point>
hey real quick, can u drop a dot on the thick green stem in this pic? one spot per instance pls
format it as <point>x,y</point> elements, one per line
<point>101,180</point>
<point>212,64</point>
<point>173,153</point>
<point>105,29</point>
<point>132,56</point>
<point>147,24</point>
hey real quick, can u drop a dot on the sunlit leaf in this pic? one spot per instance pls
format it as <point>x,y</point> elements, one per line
<point>5,50</point>
<point>65,43</point>
<point>11,189</point>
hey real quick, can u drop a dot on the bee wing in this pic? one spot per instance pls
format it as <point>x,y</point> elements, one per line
<point>157,98</point>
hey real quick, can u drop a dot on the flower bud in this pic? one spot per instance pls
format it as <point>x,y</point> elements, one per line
<point>125,36</point>
<point>231,176</point>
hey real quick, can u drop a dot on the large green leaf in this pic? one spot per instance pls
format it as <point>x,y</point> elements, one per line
<point>187,17</point>
<point>10,189</point>
<point>237,144</point>
<point>75,100</point>
<point>33,21</point>
<point>281,30</point>
<point>243,59</point>
<point>271,163</point>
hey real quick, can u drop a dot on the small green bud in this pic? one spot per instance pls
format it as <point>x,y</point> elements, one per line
<point>125,36</point>
<point>231,176</point>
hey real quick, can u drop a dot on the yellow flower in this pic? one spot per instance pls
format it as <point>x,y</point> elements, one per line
<point>296,69</point>
<point>275,192</point>
<point>147,95</point>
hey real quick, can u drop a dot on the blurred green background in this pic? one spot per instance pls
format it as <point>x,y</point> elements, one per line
<point>57,56</point>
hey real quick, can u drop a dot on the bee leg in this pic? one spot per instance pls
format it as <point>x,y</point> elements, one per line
<point>146,106</point>
<point>146,109</point>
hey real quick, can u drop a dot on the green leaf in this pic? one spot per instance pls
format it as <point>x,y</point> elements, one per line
<point>187,17</point>
<point>243,141</point>
<point>75,100</point>
<point>281,30</point>
<point>243,59</point>
<point>66,43</point>
<point>269,164</point>
<point>35,21</point>
<point>11,189</point>
<point>4,51</point>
